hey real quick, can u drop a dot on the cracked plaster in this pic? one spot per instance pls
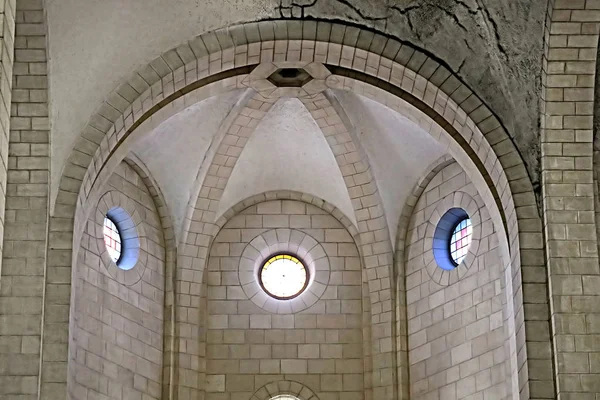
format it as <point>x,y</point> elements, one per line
<point>496,49</point>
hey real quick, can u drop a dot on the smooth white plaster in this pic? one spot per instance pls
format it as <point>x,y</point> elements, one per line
<point>287,152</point>
<point>175,149</point>
<point>95,45</point>
<point>398,149</point>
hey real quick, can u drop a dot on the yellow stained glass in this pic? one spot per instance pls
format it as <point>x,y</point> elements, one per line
<point>283,276</point>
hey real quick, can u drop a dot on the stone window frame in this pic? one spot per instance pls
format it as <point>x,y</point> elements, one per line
<point>304,266</point>
<point>273,389</point>
<point>443,237</point>
<point>134,247</point>
<point>129,239</point>
<point>294,241</point>
<point>462,200</point>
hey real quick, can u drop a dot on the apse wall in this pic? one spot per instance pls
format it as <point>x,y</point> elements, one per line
<point>315,339</point>
<point>116,332</point>
<point>457,334</point>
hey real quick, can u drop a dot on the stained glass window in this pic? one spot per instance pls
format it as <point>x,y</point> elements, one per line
<point>460,240</point>
<point>283,276</point>
<point>112,239</point>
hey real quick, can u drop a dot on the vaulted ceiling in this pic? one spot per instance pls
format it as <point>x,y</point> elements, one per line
<point>94,46</point>
<point>287,151</point>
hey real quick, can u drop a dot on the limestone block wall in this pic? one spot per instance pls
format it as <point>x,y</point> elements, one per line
<point>7,39</point>
<point>116,332</point>
<point>457,336</point>
<point>315,339</point>
<point>24,176</point>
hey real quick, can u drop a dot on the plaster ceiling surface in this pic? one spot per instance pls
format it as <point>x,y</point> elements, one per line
<point>399,151</point>
<point>174,151</point>
<point>95,45</point>
<point>287,151</point>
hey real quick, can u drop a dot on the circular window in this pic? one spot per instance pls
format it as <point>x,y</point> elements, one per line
<point>460,240</point>
<point>112,239</point>
<point>285,397</point>
<point>452,238</point>
<point>283,276</point>
<point>121,238</point>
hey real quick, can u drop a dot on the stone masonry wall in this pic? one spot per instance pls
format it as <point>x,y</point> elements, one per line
<point>25,216</point>
<point>253,340</point>
<point>7,38</point>
<point>116,334</point>
<point>456,332</point>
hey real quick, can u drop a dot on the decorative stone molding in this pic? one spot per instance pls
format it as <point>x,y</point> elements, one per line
<point>259,80</point>
<point>272,389</point>
<point>464,201</point>
<point>398,68</point>
<point>344,219</point>
<point>293,241</point>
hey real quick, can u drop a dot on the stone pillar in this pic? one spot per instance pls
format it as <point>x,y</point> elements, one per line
<point>7,38</point>
<point>23,259</point>
<point>567,176</point>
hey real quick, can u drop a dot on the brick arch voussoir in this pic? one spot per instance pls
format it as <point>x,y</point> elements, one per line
<point>237,49</point>
<point>473,143</point>
<point>375,245</point>
<point>291,195</point>
<point>204,224</point>
<point>201,230</point>
<point>407,210</point>
<point>170,264</point>
<point>400,277</point>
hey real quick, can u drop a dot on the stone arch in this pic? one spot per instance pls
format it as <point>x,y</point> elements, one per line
<point>262,238</point>
<point>376,248</point>
<point>134,172</point>
<point>418,189</point>
<point>170,263</point>
<point>273,389</point>
<point>231,52</point>
<point>291,195</point>
<point>400,277</point>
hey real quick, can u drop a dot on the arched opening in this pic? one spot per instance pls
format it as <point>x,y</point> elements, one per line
<point>368,218</point>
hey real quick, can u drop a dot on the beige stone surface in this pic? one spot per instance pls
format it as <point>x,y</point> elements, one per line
<point>117,336</point>
<point>458,340</point>
<point>410,106</point>
<point>316,338</point>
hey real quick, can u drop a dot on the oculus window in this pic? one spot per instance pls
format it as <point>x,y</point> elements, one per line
<point>283,276</point>
<point>460,240</point>
<point>112,239</point>
<point>452,238</point>
<point>120,238</point>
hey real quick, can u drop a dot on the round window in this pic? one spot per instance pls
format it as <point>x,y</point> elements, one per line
<point>120,238</point>
<point>285,397</point>
<point>460,240</point>
<point>112,239</point>
<point>452,238</point>
<point>283,276</point>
